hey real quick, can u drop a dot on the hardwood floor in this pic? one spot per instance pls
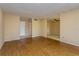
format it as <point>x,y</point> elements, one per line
<point>38,47</point>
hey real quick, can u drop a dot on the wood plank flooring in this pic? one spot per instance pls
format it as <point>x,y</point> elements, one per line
<point>38,46</point>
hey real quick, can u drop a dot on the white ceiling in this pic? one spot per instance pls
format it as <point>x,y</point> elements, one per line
<point>37,9</point>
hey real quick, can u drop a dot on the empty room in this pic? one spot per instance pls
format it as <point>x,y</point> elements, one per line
<point>39,29</point>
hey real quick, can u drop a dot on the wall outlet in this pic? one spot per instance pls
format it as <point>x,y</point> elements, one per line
<point>62,37</point>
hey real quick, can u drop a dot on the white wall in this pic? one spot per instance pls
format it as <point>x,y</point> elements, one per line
<point>11,27</point>
<point>39,27</point>
<point>36,28</point>
<point>1,29</point>
<point>69,27</point>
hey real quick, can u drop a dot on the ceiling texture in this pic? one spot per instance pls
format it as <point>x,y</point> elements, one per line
<point>37,9</point>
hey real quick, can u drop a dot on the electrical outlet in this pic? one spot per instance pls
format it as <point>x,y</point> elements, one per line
<point>62,37</point>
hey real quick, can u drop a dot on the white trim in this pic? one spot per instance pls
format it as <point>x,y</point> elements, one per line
<point>1,45</point>
<point>69,43</point>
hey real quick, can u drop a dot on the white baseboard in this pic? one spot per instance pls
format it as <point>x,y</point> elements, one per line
<point>8,39</point>
<point>69,43</point>
<point>36,36</point>
<point>22,37</point>
<point>1,45</point>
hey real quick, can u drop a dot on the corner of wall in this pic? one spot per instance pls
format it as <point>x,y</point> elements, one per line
<point>1,44</point>
<point>1,29</point>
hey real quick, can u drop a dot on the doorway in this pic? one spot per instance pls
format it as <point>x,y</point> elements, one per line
<point>25,27</point>
<point>53,26</point>
<point>22,28</point>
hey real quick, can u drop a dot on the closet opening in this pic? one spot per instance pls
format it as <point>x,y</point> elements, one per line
<point>53,26</point>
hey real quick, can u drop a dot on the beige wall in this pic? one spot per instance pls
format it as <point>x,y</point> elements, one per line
<point>11,27</point>
<point>44,27</point>
<point>48,27</point>
<point>1,29</point>
<point>69,27</point>
<point>53,27</point>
